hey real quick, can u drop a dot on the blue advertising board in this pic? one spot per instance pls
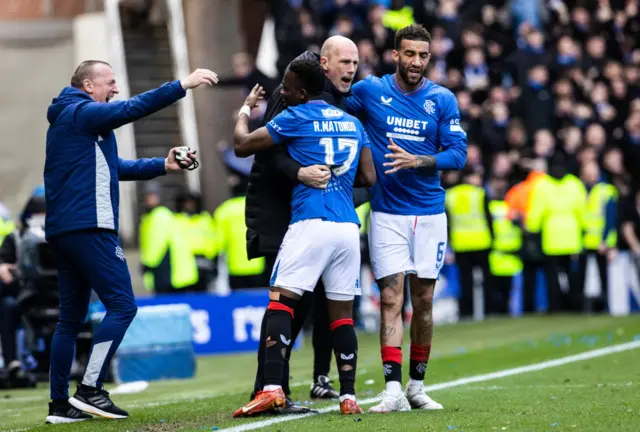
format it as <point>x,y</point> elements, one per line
<point>221,324</point>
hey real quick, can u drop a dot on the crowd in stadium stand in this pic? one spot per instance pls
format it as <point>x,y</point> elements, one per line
<point>538,83</point>
<point>532,77</point>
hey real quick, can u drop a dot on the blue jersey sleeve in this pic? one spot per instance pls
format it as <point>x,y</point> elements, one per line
<point>284,127</point>
<point>453,139</point>
<point>355,102</point>
<point>364,138</point>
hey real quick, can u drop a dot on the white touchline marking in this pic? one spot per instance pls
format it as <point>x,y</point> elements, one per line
<point>23,399</point>
<point>459,382</point>
<point>550,386</point>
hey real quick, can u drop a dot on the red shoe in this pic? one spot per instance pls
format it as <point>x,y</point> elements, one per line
<point>349,407</point>
<point>264,401</point>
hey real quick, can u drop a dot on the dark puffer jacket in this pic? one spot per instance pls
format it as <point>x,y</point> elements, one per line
<point>272,177</point>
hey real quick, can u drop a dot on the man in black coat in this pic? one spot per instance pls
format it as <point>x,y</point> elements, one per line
<point>268,211</point>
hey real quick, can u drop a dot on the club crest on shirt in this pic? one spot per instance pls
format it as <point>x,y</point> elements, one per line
<point>429,106</point>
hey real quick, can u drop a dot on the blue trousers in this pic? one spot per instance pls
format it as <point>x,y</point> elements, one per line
<point>87,260</point>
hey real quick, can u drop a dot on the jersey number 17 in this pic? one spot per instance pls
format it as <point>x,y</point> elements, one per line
<point>329,151</point>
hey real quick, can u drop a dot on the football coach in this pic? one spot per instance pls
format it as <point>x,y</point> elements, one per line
<point>81,175</point>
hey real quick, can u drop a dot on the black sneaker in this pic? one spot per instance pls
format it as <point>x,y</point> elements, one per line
<point>292,408</point>
<point>322,389</point>
<point>96,401</point>
<point>63,412</point>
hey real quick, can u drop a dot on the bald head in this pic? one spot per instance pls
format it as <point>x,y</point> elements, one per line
<point>339,59</point>
<point>335,44</point>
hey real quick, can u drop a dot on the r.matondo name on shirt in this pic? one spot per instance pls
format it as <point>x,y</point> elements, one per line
<point>334,126</point>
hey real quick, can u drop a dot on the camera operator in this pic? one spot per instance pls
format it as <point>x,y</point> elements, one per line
<point>16,373</point>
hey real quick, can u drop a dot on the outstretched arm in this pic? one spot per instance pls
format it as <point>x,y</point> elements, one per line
<point>140,169</point>
<point>99,116</point>
<point>147,169</point>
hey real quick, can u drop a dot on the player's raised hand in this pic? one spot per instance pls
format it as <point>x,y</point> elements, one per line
<point>315,176</point>
<point>401,159</point>
<point>199,77</point>
<point>256,94</point>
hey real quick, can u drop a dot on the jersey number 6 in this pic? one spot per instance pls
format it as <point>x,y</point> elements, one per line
<point>440,254</point>
<point>329,151</point>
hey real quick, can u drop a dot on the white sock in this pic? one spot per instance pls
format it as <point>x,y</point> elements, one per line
<point>393,387</point>
<point>347,396</point>
<point>271,387</point>
<point>415,383</point>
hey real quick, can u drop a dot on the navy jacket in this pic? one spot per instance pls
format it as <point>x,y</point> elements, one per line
<point>82,168</point>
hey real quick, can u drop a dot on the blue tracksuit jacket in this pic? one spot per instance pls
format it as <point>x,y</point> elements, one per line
<point>82,167</point>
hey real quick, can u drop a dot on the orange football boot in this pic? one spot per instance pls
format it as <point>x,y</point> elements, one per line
<point>264,401</point>
<point>349,407</point>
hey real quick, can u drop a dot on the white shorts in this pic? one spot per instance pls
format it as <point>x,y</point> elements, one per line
<point>407,244</point>
<point>314,248</point>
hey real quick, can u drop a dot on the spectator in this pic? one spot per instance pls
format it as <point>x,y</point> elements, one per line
<point>246,75</point>
<point>536,103</point>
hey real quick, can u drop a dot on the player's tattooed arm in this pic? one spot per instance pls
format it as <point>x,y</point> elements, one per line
<point>426,163</point>
<point>401,159</point>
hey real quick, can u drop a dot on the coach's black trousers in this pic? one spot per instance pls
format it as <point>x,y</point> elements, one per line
<point>321,339</point>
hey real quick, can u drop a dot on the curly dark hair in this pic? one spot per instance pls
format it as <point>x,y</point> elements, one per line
<point>414,32</point>
<point>310,74</point>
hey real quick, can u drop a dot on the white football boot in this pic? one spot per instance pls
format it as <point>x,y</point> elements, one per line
<point>391,402</point>
<point>418,399</point>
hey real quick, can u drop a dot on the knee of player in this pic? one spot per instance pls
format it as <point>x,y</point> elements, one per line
<point>390,301</point>
<point>423,301</point>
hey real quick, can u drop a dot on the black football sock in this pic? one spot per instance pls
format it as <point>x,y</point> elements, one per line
<point>278,339</point>
<point>345,345</point>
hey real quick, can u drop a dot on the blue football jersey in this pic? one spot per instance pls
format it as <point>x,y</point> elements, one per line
<point>425,121</point>
<point>317,133</point>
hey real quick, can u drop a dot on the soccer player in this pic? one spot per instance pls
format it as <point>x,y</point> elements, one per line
<point>414,126</point>
<point>323,237</point>
<point>81,175</point>
<point>268,213</point>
